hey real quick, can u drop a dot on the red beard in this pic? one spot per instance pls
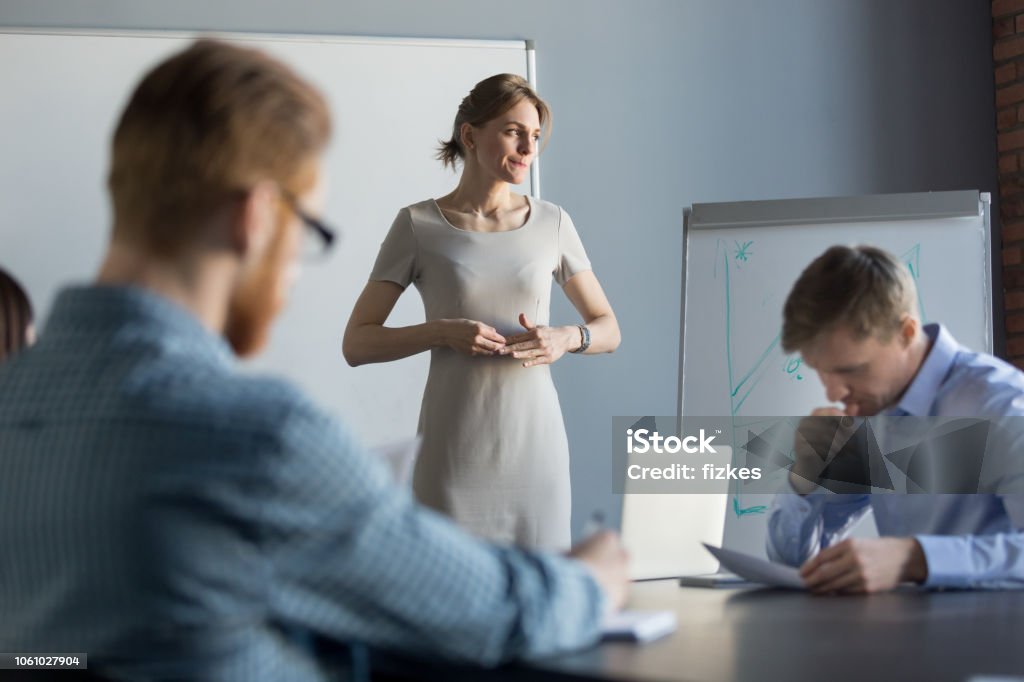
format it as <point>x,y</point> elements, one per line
<point>258,299</point>
<point>248,325</point>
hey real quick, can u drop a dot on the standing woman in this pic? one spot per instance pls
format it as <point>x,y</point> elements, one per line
<point>495,455</point>
<point>16,329</point>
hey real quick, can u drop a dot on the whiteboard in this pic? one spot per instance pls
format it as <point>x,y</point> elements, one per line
<point>392,100</point>
<point>740,262</point>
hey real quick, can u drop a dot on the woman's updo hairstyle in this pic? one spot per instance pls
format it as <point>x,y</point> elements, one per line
<point>489,99</point>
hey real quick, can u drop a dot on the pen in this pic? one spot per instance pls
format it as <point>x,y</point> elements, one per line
<point>595,524</point>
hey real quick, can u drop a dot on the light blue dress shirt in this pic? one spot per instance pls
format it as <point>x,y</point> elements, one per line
<point>174,518</point>
<point>969,541</point>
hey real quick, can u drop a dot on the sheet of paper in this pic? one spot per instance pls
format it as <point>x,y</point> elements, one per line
<point>400,457</point>
<point>720,579</point>
<point>758,570</point>
<point>638,626</point>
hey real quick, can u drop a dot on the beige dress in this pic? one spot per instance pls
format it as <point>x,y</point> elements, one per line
<point>495,455</point>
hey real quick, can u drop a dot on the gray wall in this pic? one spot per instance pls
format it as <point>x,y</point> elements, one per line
<point>659,104</point>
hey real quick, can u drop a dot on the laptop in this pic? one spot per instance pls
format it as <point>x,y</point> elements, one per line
<point>665,533</point>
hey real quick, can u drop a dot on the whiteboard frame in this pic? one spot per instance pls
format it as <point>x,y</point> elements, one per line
<point>257,36</point>
<point>531,78</point>
<point>830,210</point>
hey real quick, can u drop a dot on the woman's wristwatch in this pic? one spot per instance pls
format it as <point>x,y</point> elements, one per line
<point>584,339</point>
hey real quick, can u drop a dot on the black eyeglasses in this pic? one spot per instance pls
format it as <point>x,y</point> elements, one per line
<point>327,235</point>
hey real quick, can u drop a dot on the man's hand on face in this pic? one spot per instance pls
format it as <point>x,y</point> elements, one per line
<point>820,435</point>
<point>864,565</point>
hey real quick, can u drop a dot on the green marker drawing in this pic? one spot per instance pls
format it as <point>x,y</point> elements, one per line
<point>743,251</point>
<point>740,511</point>
<point>740,390</point>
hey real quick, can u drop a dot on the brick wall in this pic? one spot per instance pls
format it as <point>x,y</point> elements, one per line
<point>1008,55</point>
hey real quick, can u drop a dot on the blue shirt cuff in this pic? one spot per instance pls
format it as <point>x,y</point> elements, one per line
<point>948,559</point>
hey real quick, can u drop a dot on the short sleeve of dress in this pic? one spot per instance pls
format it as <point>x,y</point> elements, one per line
<point>396,260</point>
<point>572,258</point>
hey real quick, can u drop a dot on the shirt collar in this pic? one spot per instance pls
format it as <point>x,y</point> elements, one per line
<point>917,400</point>
<point>131,310</point>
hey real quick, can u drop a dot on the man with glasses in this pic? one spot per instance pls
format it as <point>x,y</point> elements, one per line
<point>175,519</point>
<point>324,236</point>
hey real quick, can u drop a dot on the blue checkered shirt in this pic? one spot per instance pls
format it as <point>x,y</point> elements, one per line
<point>176,519</point>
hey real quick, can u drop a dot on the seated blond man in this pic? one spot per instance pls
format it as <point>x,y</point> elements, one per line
<point>852,315</point>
